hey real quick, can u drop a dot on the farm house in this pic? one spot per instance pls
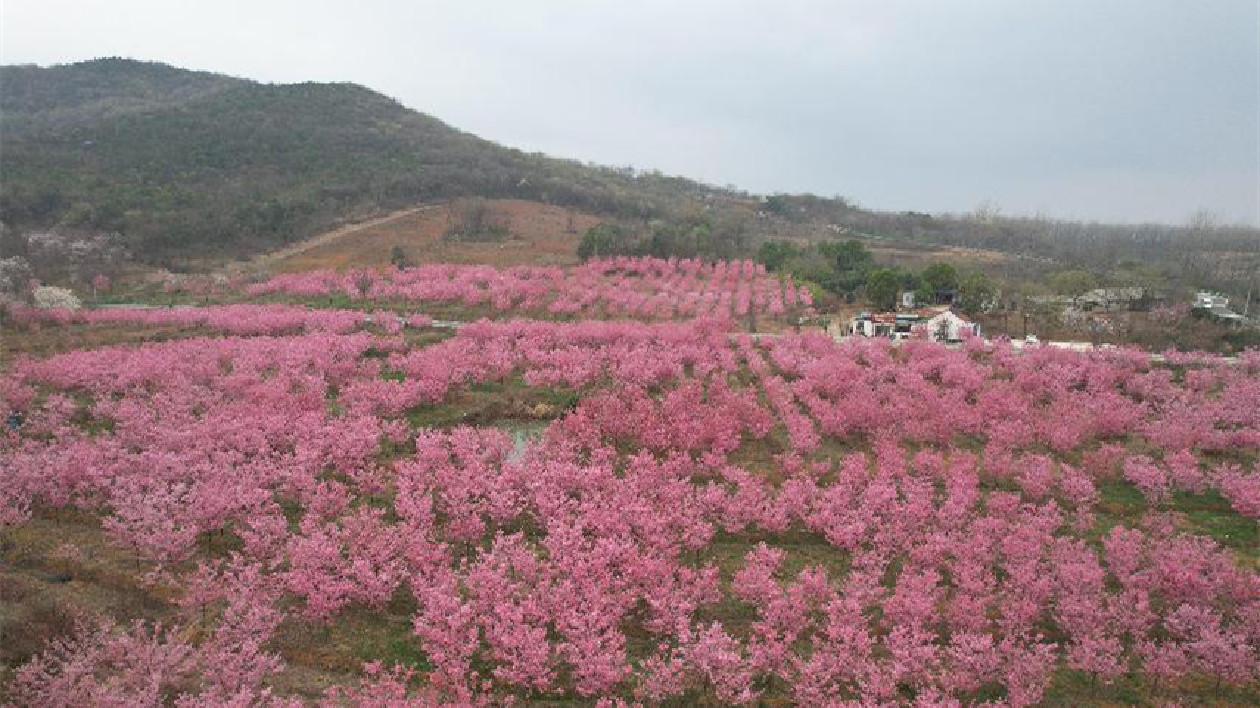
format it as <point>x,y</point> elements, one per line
<point>949,326</point>
<point>940,324</point>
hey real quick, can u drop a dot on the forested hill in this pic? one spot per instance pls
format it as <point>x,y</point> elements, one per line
<point>184,162</point>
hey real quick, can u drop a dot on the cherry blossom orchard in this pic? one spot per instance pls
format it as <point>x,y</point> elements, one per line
<point>704,518</point>
<point>638,288</point>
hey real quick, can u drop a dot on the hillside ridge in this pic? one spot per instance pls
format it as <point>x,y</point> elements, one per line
<point>191,163</point>
<point>191,166</point>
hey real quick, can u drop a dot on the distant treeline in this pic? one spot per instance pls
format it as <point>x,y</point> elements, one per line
<point>723,236</point>
<point>848,269</point>
<point>1202,252</point>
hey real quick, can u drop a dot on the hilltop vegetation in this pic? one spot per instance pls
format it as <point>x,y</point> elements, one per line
<point>189,165</point>
<point>185,162</point>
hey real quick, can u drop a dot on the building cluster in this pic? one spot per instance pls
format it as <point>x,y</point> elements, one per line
<point>1098,311</point>
<point>940,324</point>
<point>1216,306</point>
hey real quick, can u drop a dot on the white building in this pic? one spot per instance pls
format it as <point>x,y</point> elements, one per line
<point>1216,306</point>
<point>942,325</point>
<point>883,324</point>
<point>948,326</point>
<point>1207,301</point>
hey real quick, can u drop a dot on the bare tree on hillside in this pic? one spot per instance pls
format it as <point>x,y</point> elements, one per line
<point>474,219</point>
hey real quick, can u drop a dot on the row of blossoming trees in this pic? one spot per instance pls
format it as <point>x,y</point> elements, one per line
<point>717,519</point>
<point>640,288</point>
<point>244,319</point>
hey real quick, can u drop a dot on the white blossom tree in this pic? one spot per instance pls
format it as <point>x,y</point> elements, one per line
<point>52,297</point>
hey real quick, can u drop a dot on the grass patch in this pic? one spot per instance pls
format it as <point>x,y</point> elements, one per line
<point>491,402</point>
<point>1120,499</point>
<point>1069,687</point>
<point>427,337</point>
<point>1211,515</point>
<point>391,643</point>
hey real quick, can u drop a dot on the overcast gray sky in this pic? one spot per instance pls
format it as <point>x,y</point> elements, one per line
<point>1128,110</point>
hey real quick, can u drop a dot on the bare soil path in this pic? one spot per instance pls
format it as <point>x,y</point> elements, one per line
<point>266,259</point>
